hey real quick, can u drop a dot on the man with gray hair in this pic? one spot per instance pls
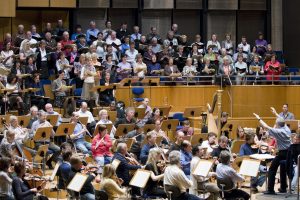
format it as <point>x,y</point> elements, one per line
<point>174,176</point>
<point>282,134</point>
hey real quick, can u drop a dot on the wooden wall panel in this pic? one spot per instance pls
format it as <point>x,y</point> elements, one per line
<point>33,3</point>
<point>7,8</point>
<point>63,3</point>
<point>5,27</point>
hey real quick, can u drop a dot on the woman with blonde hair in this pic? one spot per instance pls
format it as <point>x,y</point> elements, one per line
<point>110,183</point>
<point>103,119</point>
<point>152,187</point>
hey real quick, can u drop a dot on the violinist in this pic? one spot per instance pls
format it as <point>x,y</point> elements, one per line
<point>101,145</point>
<point>177,144</point>
<point>5,179</point>
<point>246,150</point>
<point>187,129</point>
<point>160,133</point>
<point>79,134</point>
<point>199,181</point>
<point>223,146</point>
<point>125,165</point>
<point>129,117</point>
<point>87,191</point>
<point>20,188</point>
<point>210,143</point>
<point>240,133</point>
<point>64,169</point>
<point>151,140</point>
<point>155,115</point>
<point>152,187</point>
<point>139,136</point>
<point>21,134</point>
<point>110,183</point>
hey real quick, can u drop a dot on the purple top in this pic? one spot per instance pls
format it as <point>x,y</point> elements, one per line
<point>259,43</point>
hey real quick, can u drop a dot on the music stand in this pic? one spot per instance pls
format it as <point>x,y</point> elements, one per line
<point>148,127</point>
<point>42,134</point>
<point>108,127</point>
<point>123,129</point>
<point>65,129</point>
<point>198,138</point>
<point>77,182</point>
<point>40,156</point>
<point>292,124</point>
<point>140,178</point>
<point>129,142</point>
<point>193,112</point>
<point>164,111</point>
<point>112,115</point>
<point>140,113</point>
<point>4,119</point>
<point>83,120</point>
<point>203,167</point>
<point>52,119</point>
<point>169,125</point>
<point>23,120</point>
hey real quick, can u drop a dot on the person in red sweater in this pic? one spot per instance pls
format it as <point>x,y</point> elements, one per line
<point>273,69</point>
<point>101,145</point>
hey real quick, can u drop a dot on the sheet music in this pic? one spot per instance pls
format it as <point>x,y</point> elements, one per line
<point>203,167</point>
<point>249,167</point>
<point>115,163</point>
<point>54,171</point>
<point>77,182</point>
<point>140,178</point>
<point>262,156</point>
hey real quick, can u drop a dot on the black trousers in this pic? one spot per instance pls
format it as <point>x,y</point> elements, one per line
<point>281,156</point>
<point>236,193</point>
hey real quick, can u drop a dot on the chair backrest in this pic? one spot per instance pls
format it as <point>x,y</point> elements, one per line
<point>48,91</point>
<point>172,191</point>
<point>225,184</point>
<point>101,195</point>
<point>138,91</point>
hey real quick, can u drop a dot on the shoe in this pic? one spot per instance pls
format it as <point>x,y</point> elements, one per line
<point>254,189</point>
<point>269,192</point>
<point>281,190</point>
<point>48,163</point>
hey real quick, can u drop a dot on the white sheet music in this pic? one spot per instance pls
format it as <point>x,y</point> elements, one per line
<point>54,171</point>
<point>249,167</point>
<point>203,168</point>
<point>77,182</point>
<point>115,163</point>
<point>140,178</point>
<point>262,156</point>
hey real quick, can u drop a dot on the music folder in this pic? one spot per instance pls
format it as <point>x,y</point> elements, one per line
<point>77,182</point>
<point>249,167</point>
<point>65,129</point>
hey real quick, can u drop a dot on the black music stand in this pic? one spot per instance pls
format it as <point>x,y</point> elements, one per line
<point>123,129</point>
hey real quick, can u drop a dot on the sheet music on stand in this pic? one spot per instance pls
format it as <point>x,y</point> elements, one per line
<point>249,167</point>
<point>140,178</point>
<point>54,171</point>
<point>115,163</point>
<point>262,156</point>
<point>77,182</point>
<point>203,167</point>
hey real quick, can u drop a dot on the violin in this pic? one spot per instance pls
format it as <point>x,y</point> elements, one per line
<point>89,169</point>
<point>36,181</point>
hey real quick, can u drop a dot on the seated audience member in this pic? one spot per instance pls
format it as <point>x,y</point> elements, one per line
<point>273,69</point>
<point>227,173</point>
<point>152,187</point>
<point>101,145</point>
<point>186,157</point>
<point>175,177</point>
<point>151,141</point>
<point>111,184</point>
<point>199,181</point>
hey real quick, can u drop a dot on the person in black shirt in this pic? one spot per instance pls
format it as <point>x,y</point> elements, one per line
<point>129,117</point>
<point>177,144</point>
<point>223,146</point>
<point>152,187</point>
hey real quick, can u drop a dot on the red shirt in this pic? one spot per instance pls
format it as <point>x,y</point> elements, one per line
<point>102,148</point>
<point>64,43</point>
<point>271,72</point>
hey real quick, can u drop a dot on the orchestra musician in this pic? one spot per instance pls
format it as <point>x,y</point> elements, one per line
<point>285,114</point>
<point>155,115</point>
<point>64,169</point>
<point>292,161</point>
<point>50,111</point>
<point>21,134</point>
<point>152,187</point>
<point>160,133</point>
<point>186,157</point>
<point>84,112</point>
<point>8,146</point>
<point>103,119</point>
<point>227,173</point>
<point>210,143</point>
<point>187,129</point>
<point>282,134</point>
<point>5,179</point>
<point>87,191</point>
<point>111,184</point>
<point>175,177</point>
<point>101,145</point>
<point>199,181</point>
<point>151,141</point>
<point>138,135</point>
<point>42,122</point>
<point>78,136</point>
<point>223,146</point>
<point>177,144</point>
<point>129,117</point>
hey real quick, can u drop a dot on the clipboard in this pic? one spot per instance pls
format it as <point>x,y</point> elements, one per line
<point>203,167</point>
<point>123,129</point>
<point>83,120</point>
<point>249,167</point>
<point>140,113</point>
<point>193,112</point>
<point>23,120</point>
<point>115,163</point>
<point>77,182</point>
<point>140,178</point>
<point>54,171</point>
<point>42,134</point>
<point>52,119</point>
<point>108,126</point>
<point>169,125</point>
<point>65,129</point>
<point>292,124</point>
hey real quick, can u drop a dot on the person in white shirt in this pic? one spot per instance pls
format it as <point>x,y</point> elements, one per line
<point>30,39</point>
<point>174,176</point>
<point>50,111</point>
<point>5,180</point>
<point>139,67</point>
<point>210,143</point>
<point>113,39</point>
<point>245,45</point>
<point>83,112</point>
<point>215,43</point>
<point>103,119</point>
<point>148,110</point>
<point>226,172</point>
<point>63,64</point>
<point>7,55</point>
<point>131,54</point>
<point>199,181</point>
<point>21,134</point>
